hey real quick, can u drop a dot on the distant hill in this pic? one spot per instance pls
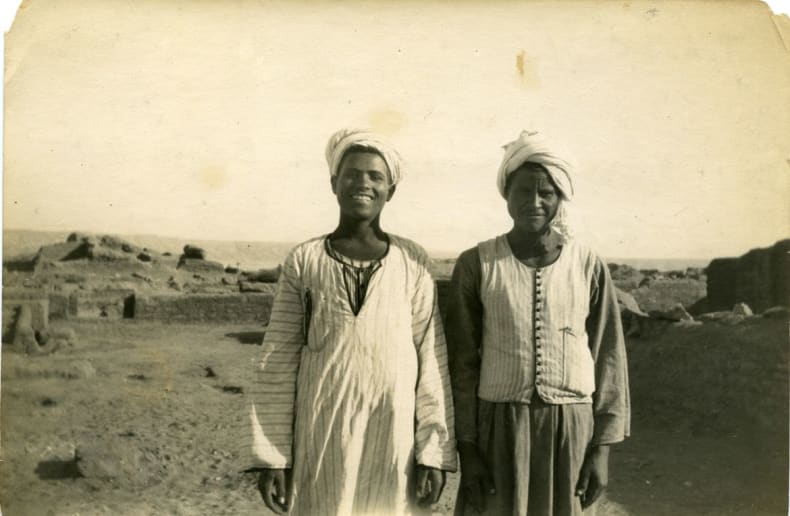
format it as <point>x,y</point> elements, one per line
<point>21,242</point>
<point>253,255</point>
<point>248,255</point>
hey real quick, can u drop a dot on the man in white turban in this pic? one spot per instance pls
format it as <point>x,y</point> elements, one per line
<point>537,354</point>
<point>532,147</point>
<point>345,139</point>
<point>353,394</point>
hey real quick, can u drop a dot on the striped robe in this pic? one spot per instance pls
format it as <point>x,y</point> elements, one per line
<point>351,403</point>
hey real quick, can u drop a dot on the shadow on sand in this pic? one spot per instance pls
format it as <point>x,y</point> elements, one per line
<point>247,337</point>
<point>58,469</point>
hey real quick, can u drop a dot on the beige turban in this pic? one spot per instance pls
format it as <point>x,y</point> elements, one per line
<point>530,147</point>
<point>340,142</point>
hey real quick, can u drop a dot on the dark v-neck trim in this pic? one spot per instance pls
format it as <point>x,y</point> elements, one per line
<point>348,268</point>
<point>337,256</point>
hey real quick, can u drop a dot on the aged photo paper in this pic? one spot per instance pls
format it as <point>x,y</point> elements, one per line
<point>132,129</point>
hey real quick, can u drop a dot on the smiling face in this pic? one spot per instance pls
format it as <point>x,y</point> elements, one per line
<point>362,185</point>
<point>532,198</point>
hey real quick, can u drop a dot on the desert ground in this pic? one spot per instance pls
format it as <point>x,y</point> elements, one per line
<point>145,416</point>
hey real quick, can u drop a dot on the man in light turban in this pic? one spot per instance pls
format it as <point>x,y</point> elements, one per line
<point>537,354</point>
<point>532,147</point>
<point>353,396</point>
<point>345,139</point>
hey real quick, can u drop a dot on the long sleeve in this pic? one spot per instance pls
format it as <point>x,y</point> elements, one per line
<point>464,324</point>
<point>611,400</point>
<point>434,434</point>
<point>274,392</point>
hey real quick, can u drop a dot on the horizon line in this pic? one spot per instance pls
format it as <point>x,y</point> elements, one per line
<point>439,253</point>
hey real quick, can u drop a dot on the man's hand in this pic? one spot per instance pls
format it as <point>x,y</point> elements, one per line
<point>476,480</point>
<point>271,484</point>
<point>594,475</point>
<point>430,483</point>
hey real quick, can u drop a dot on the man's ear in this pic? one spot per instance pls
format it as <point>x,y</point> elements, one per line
<point>333,182</point>
<point>391,192</point>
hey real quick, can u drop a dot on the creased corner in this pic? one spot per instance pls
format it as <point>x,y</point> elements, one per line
<point>782,25</point>
<point>778,12</point>
<point>8,12</point>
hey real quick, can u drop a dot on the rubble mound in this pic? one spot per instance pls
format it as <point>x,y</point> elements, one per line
<point>85,247</point>
<point>193,259</point>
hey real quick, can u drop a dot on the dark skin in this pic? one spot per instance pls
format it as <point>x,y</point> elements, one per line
<point>273,487</point>
<point>362,187</point>
<point>532,202</point>
<point>594,475</point>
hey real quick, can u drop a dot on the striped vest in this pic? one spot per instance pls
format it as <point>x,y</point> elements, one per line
<point>534,335</point>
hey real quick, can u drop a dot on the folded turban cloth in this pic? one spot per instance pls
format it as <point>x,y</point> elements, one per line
<point>340,142</point>
<point>531,147</point>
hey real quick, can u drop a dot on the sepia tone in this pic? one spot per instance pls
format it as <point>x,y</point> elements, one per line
<point>162,157</point>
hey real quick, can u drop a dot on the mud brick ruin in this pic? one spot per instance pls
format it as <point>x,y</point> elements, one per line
<point>759,278</point>
<point>105,277</point>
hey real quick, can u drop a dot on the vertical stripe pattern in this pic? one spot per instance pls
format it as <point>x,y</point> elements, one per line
<point>534,326</point>
<point>352,404</point>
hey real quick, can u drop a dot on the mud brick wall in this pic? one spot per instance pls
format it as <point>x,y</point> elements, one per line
<point>763,278</point>
<point>721,283</point>
<point>60,306</point>
<point>205,308</point>
<point>39,309</point>
<point>759,278</point>
<point>105,304</point>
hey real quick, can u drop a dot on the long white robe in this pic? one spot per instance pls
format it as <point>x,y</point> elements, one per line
<point>353,406</point>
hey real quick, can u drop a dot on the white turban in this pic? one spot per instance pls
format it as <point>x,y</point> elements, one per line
<point>530,147</point>
<point>340,142</point>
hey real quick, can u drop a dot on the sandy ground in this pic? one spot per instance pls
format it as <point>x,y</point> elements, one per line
<point>158,430</point>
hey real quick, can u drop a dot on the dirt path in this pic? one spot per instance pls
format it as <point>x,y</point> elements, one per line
<point>157,410</point>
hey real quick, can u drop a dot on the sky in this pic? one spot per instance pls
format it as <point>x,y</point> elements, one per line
<point>209,120</point>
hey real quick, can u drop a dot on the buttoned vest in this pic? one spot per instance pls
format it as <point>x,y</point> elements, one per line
<point>534,326</point>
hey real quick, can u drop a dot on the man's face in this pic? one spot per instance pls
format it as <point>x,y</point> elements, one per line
<point>362,185</point>
<point>532,199</point>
